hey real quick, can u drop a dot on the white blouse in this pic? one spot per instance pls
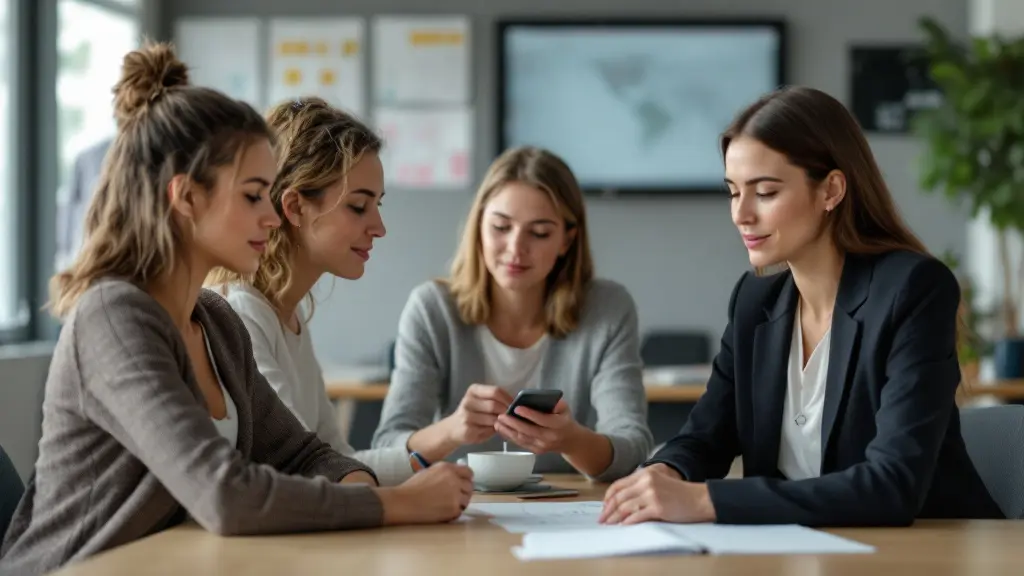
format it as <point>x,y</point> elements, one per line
<point>800,441</point>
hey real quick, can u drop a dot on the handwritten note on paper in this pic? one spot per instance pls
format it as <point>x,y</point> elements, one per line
<point>426,148</point>
<point>520,518</point>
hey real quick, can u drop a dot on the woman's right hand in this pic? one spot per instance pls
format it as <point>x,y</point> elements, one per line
<point>473,421</point>
<point>438,494</point>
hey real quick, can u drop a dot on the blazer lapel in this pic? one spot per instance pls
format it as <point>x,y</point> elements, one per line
<point>769,371</point>
<point>853,290</point>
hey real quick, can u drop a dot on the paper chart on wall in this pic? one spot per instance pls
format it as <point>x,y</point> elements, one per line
<point>223,54</point>
<point>426,148</point>
<point>421,60</point>
<point>317,57</point>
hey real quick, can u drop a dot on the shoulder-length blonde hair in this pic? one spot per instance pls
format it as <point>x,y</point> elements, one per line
<point>470,282</point>
<point>316,147</point>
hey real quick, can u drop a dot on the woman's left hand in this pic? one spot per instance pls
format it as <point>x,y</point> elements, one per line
<point>648,494</point>
<point>543,433</point>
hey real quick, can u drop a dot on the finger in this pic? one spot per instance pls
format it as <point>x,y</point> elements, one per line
<point>495,393</point>
<point>621,511</point>
<point>464,472</point>
<point>518,425</point>
<point>561,407</point>
<point>485,406</point>
<point>644,514</point>
<point>619,492</point>
<point>541,419</point>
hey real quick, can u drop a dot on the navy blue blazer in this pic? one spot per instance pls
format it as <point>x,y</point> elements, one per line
<point>891,444</point>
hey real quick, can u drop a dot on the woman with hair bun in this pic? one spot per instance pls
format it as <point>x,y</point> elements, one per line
<point>155,410</point>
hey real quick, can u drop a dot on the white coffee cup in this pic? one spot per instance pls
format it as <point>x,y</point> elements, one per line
<point>501,470</point>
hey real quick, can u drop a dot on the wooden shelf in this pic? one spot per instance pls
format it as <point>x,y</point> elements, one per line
<point>683,393</point>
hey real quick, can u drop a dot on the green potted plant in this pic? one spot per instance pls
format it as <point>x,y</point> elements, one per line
<point>974,153</point>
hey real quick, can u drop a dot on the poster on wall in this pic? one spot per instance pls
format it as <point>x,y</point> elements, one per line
<point>223,54</point>
<point>889,85</point>
<point>421,60</point>
<point>426,149</point>
<point>317,57</point>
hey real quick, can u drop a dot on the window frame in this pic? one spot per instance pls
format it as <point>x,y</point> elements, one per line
<point>34,160</point>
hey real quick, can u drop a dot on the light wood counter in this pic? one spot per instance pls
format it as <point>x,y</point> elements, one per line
<point>930,548</point>
<point>1008,390</point>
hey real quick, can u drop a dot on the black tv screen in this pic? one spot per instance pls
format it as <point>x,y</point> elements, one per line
<point>634,107</point>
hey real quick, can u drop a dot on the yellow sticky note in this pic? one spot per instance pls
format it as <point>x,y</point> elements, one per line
<point>350,48</point>
<point>327,77</point>
<point>435,38</point>
<point>293,48</point>
<point>292,76</point>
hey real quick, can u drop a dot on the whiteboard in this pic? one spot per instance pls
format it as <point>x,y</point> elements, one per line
<point>223,54</point>
<point>421,60</point>
<point>426,148</point>
<point>317,57</point>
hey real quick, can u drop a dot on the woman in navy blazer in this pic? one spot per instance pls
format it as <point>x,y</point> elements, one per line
<point>836,378</point>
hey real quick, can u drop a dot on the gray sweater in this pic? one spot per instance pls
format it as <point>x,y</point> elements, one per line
<point>597,367</point>
<point>128,446</point>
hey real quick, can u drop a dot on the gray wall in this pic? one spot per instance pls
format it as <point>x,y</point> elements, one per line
<point>658,248</point>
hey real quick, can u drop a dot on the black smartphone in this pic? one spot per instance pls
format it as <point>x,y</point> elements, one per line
<point>535,399</point>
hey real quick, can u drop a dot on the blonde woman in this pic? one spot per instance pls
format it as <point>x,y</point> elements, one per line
<point>154,409</point>
<point>521,309</point>
<point>328,191</point>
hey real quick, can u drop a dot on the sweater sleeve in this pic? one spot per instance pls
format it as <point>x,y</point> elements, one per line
<point>131,363</point>
<point>617,391</point>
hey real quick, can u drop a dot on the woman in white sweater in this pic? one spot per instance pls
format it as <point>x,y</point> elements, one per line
<point>328,190</point>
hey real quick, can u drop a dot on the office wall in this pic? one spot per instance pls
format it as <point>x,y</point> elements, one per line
<point>658,248</point>
<point>22,376</point>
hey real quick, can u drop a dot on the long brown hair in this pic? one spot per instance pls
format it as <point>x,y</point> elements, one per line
<point>317,145</point>
<point>165,127</point>
<point>470,281</point>
<point>817,133</point>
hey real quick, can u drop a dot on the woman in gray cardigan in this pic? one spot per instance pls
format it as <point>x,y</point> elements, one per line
<point>521,310</point>
<point>154,409</point>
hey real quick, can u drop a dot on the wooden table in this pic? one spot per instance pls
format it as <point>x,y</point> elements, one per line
<point>1011,390</point>
<point>930,548</point>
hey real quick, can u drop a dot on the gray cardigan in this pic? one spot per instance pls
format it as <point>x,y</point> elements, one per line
<point>597,367</point>
<point>128,445</point>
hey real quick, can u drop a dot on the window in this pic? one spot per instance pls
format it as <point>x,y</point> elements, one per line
<point>89,66</point>
<point>13,311</point>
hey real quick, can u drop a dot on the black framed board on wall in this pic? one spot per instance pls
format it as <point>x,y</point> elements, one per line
<point>634,106</point>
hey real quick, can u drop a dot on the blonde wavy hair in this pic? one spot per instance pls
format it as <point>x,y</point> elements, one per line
<point>469,281</point>
<point>165,128</point>
<point>316,147</point>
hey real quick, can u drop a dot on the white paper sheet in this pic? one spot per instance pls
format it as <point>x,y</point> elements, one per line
<point>426,148</point>
<point>520,518</point>
<point>223,54</point>
<point>421,59</point>
<point>318,57</point>
<point>660,538</point>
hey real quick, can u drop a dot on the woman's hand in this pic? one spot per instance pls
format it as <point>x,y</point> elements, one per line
<point>473,421</point>
<point>542,432</point>
<point>438,494</point>
<point>656,493</point>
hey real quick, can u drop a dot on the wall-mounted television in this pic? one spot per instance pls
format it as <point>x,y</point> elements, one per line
<point>634,107</point>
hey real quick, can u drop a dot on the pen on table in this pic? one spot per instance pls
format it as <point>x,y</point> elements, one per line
<point>423,462</point>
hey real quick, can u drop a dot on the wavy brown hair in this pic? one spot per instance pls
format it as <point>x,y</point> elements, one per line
<point>470,282</point>
<point>818,134</point>
<point>316,147</point>
<point>165,128</point>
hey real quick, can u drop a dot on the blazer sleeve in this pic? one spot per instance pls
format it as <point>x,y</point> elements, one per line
<point>414,392</point>
<point>889,487</point>
<point>709,441</point>
<point>618,397</point>
<point>132,387</point>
